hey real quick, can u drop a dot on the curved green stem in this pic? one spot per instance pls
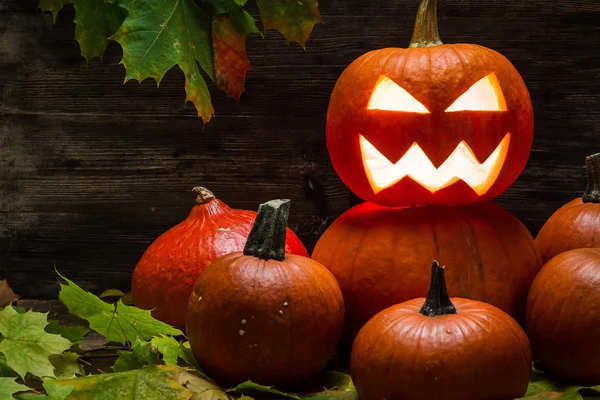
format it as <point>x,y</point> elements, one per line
<point>426,33</point>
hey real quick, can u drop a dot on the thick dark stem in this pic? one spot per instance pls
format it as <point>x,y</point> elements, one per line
<point>426,33</point>
<point>437,302</point>
<point>267,237</point>
<point>592,193</point>
<point>203,195</point>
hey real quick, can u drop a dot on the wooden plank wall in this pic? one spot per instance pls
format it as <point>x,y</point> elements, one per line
<point>91,170</point>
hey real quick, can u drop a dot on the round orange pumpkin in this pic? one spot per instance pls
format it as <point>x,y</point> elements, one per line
<point>380,255</point>
<point>563,316</point>
<point>576,224</point>
<point>263,315</point>
<point>431,124</point>
<point>165,275</point>
<point>441,348</point>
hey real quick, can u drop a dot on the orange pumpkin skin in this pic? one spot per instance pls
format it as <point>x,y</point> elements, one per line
<point>576,224</point>
<point>435,74</point>
<point>563,317</point>
<point>479,353</point>
<point>165,275</point>
<point>379,257</point>
<point>401,354</point>
<point>275,322</point>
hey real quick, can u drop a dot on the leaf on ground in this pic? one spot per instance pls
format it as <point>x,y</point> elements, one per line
<point>153,382</point>
<point>95,21</point>
<point>111,293</point>
<point>203,388</point>
<point>294,19</point>
<point>543,387</point>
<point>141,354</point>
<point>231,59</point>
<point>5,370</point>
<point>168,347</point>
<point>73,333</point>
<point>8,387</point>
<point>53,392</point>
<point>186,354</point>
<point>26,345</point>
<point>7,295</point>
<point>54,6</point>
<point>336,385</point>
<point>117,323</point>
<point>66,365</point>
<point>251,387</point>
<point>157,35</point>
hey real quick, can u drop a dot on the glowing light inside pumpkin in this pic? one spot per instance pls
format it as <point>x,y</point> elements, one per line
<point>461,164</point>
<point>389,96</point>
<point>484,95</point>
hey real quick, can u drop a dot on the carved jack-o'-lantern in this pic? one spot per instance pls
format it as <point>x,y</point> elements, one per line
<point>431,124</point>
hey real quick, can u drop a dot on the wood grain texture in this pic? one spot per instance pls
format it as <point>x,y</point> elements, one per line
<point>91,170</point>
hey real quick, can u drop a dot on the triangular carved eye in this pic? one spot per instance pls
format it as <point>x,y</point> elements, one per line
<point>484,95</point>
<point>389,96</point>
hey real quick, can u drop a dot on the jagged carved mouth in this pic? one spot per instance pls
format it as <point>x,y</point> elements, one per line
<point>460,165</point>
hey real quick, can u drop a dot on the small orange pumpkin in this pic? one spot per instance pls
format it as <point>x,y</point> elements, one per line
<point>576,224</point>
<point>563,316</point>
<point>264,315</point>
<point>441,348</point>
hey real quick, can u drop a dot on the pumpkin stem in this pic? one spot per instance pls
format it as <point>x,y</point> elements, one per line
<point>426,33</point>
<point>267,237</point>
<point>437,302</point>
<point>203,195</point>
<point>592,193</point>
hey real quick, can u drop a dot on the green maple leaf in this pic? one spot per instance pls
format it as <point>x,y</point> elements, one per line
<point>338,386</point>
<point>543,387</point>
<point>142,354</point>
<point>95,21</point>
<point>251,387</point>
<point>159,34</point>
<point>8,387</point>
<point>168,347</point>
<point>117,323</point>
<point>295,19</point>
<point>66,365</point>
<point>26,345</point>
<point>152,382</point>
<point>54,6</point>
<point>186,354</point>
<point>73,333</point>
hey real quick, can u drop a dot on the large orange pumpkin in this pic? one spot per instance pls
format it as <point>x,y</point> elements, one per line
<point>165,275</point>
<point>576,224</point>
<point>264,315</point>
<point>380,257</point>
<point>441,348</point>
<point>431,124</point>
<point>563,316</point>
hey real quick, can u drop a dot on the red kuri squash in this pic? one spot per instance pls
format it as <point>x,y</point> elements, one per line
<point>165,275</point>
<point>264,315</point>
<point>576,224</point>
<point>380,255</point>
<point>441,348</point>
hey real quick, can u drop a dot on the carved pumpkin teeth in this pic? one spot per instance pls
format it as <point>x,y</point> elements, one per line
<point>460,165</point>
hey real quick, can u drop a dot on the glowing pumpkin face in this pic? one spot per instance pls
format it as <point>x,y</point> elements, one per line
<point>432,124</point>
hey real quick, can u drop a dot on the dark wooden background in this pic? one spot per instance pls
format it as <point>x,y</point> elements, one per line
<point>92,171</point>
